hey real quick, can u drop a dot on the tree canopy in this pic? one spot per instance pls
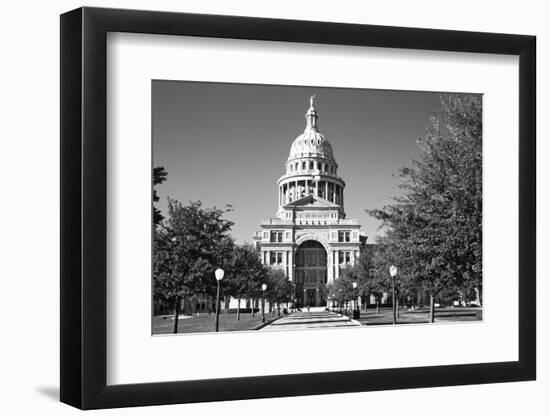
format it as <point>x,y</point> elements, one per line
<point>189,245</point>
<point>159,176</point>
<point>246,273</point>
<point>434,229</point>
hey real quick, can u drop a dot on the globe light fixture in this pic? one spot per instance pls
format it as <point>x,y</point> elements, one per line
<point>219,274</point>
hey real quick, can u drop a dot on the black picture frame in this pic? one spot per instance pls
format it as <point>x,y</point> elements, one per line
<point>84,207</point>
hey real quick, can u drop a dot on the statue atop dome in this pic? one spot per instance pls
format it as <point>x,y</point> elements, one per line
<point>311,100</point>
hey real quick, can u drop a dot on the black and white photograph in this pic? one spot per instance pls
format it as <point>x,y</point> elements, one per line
<point>285,208</point>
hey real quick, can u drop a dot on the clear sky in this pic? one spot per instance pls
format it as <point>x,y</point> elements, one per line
<point>227,143</point>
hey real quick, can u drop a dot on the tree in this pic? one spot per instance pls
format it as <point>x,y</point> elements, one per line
<point>189,246</point>
<point>434,228</point>
<point>379,277</point>
<point>245,274</point>
<point>279,288</point>
<point>159,176</point>
<point>341,290</point>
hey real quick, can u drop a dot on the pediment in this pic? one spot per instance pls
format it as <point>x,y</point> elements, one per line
<point>311,201</point>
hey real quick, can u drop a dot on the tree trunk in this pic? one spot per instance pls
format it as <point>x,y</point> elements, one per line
<point>279,309</point>
<point>252,304</point>
<point>238,308</point>
<point>432,308</point>
<point>176,315</point>
<point>377,306</point>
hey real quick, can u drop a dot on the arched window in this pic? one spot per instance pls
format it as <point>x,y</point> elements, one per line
<point>304,165</point>
<point>310,164</point>
<point>319,166</point>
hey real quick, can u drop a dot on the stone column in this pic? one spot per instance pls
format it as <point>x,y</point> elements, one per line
<point>326,190</point>
<point>291,265</point>
<point>330,275</point>
<point>337,264</point>
<point>317,297</point>
<point>287,192</point>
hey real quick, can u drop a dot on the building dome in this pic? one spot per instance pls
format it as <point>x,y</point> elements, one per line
<point>311,143</point>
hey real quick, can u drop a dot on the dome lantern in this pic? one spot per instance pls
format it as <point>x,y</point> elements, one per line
<point>311,115</point>
<point>311,143</point>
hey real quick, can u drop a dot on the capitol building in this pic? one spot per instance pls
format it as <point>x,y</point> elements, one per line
<point>310,238</point>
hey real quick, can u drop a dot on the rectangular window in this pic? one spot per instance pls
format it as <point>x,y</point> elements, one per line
<point>340,257</point>
<point>276,236</point>
<point>280,258</point>
<point>272,258</point>
<point>344,236</point>
<point>348,257</point>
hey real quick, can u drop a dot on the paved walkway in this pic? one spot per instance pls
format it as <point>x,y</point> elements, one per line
<point>311,320</point>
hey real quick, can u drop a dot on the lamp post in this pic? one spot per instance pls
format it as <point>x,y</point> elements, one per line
<point>356,296</point>
<point>317,301</point>
<point>393,273</point>
<point>219,276</point>
<point>264,287</point>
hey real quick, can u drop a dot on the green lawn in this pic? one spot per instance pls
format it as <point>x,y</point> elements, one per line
<point>207,323</point>
<point>420,316</point>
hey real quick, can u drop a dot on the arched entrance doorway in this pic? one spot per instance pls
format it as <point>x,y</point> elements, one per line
<point>311,274</point>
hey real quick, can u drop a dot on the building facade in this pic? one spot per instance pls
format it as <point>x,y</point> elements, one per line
<point>310,238</point>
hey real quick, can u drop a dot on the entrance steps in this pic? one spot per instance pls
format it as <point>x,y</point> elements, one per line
<point>314,309</point>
